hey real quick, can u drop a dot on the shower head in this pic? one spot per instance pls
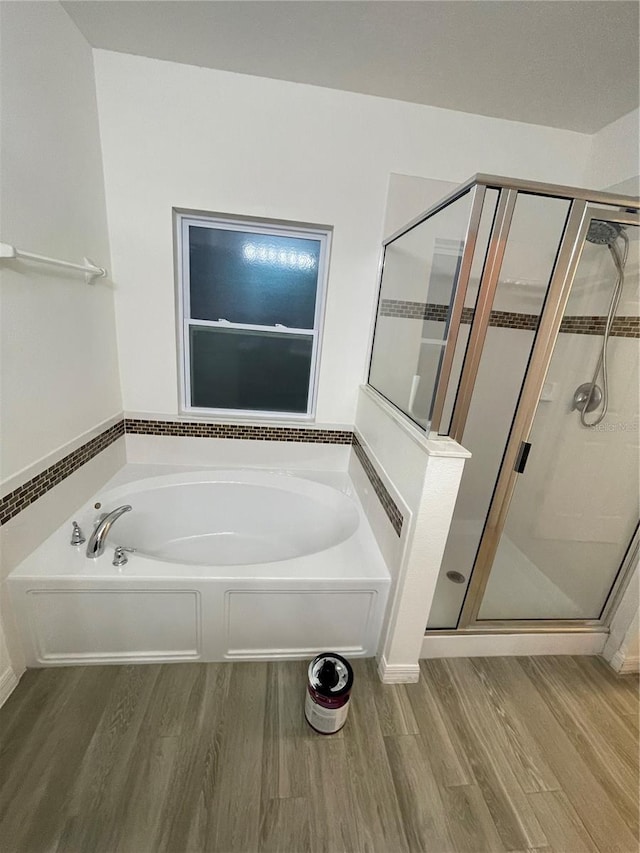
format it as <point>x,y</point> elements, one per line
<point>603,233</point>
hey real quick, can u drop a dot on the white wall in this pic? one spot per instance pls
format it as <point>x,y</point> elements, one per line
<point>408,196</point>
<point>176,135</point>
<point>622,648</point>
<point>59,357</point>
<point>613,161</point>
<point>631,646</point>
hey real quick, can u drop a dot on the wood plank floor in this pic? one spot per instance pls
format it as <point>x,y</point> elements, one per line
<point>482,755</point>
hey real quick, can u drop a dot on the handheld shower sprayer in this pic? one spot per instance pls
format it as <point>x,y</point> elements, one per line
<point>589,396</point>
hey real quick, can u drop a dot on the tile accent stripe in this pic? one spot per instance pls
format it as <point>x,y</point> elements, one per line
<point>388,504</point>
<point>413,310</point>
<point>623,327</point>
<point>37,486</point>
<point>244,431</point>
<point>20,498</point>
<point>514,320</point>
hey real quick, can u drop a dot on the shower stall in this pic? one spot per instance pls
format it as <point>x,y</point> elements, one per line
<point>508,320</point>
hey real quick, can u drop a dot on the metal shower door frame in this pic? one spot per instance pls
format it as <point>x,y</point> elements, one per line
<point>486,291</point>
<point>455,318</point>
<point>581,214</point>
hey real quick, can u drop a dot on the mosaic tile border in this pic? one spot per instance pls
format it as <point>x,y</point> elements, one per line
<point>21,497</point>
<point>388,504</point>
<point>623,327</point>
<point>194,429</point>
<point>36,487</point>
<point>413,310</point>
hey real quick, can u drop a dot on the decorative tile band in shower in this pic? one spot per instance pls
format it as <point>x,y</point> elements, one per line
<point>195,429</point>
<point>21,497</point>
<point>622,327</point>
<point>413,310</point>
<point>388,504</point>
<point>36,487</point>
<point>513,320</point>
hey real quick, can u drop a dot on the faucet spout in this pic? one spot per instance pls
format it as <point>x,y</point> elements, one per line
<point>98,538</point>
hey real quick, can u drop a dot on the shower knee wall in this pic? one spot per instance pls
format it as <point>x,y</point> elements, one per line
<point>422,476</point>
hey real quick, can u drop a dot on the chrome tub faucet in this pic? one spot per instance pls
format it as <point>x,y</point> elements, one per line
<point>98,538</point>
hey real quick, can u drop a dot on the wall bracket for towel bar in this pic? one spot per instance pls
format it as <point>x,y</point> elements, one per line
<point>90,270</point>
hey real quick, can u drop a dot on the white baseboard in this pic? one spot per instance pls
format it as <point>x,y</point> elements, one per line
<point>498,645</point>
<point>623,664</point>
<point>8,683</point>
<point>391,673</point>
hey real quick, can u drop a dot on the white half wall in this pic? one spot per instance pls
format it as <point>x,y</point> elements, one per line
<point>175,135</point>
<point>425,475</point>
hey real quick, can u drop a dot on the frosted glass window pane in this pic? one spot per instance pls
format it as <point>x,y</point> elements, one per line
<point>254,279</point>
<point>248,369</point>
<point>419,273</point>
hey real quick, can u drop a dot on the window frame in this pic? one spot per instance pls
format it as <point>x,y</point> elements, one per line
<point>183,219</point>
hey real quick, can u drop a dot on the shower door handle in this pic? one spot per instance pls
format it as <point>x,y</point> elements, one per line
<point>523,455</point>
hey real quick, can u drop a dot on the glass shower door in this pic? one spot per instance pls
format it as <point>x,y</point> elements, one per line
<point>513,292</point>
<point>575,506</point>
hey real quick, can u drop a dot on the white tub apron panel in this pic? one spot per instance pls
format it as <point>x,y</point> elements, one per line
<point>273,623</point>
<point>72,625</point>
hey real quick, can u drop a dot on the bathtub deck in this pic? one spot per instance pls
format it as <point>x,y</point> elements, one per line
<point>482,755</point>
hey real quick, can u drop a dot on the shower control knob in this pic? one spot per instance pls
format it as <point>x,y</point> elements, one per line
<point>587,394</point>
<point>119,556</point>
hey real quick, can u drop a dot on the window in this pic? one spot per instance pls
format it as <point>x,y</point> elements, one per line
<point>251,298</point>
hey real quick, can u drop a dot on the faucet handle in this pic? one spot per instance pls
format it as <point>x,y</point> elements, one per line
<point>119,556</point>
<point>77,537</point>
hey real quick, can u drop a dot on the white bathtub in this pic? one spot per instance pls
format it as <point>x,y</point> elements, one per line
<point>231,564</point>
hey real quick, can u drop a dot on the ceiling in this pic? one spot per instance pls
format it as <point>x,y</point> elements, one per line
<point>563,63</point>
